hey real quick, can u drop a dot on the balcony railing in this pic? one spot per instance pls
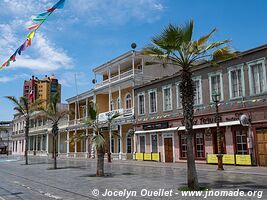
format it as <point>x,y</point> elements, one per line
<point>123,113</point>
<point>118,77</point>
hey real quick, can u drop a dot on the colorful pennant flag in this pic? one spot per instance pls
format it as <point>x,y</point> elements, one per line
<point>33,28</point>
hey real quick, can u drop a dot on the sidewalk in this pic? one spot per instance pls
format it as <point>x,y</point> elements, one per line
<point>200,167</point>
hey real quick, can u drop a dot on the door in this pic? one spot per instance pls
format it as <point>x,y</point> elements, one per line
<point>261,137</point>
<point>168,150</point>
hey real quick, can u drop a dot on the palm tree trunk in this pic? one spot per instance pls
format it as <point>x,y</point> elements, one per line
<point>188,94</point>
<point>100,162</point>
<point>55,151</point>
<point>26,139</point>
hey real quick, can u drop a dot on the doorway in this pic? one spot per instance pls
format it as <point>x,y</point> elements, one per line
<point>168,149</point>
<point>261,142</point>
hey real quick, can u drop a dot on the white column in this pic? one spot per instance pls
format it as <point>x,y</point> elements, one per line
<point>68,143</point>
<point>58,142</point>
<point>120,97</point>
<point>109,99</point>
<point>134,136</point>
<point>86,107</point>
<point>76,110</point>
<point>47,143</point>
<point>86,143</point>
<point>133,99</point>
<point>75,147</point>
<point>133,61</point>
<point>41,148</point>
<point>119,71</point>
<point>120,141</point>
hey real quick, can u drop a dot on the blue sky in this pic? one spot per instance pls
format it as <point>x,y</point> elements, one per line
<point>87,33</point>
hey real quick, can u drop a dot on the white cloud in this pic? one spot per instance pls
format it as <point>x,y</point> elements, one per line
<point>117,11</point>
<point>6,79</point>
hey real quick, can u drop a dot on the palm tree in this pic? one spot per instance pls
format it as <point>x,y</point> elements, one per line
<point>175,45</point>
<point>25,108</point>
<point>98,138</point>
<point>54,114</point>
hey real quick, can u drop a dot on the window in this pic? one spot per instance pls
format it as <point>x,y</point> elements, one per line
<point>241,142</point>
<point>257,77</point>
<point>152,101</point>
<point>142,144</point>
<point>154,143</point>
<point>199,144</point>
<point>111,105</point>
<point>118,103</point>
<point>141,103</point>
<point>178,96</point>
<point>167,98</point>
<point>216,84</point>
<point>129,144</point>
<point>128,101</point>
<point>198,91</point>
<point>183,146</point>
<point>236,82</point>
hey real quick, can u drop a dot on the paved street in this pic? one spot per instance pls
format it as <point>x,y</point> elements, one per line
<point>75,179</point>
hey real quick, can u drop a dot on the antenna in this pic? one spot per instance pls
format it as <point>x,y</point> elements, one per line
<point>77,96</point>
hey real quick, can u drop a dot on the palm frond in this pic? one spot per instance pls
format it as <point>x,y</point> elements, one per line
<point>223,54</point>
<point>19,107</point>
<point>204,39</point>
<point>187,31</point>
<point>98,140</point>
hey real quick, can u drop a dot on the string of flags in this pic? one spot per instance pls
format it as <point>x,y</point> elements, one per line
<point>37,22</point>
<point>201,108</point>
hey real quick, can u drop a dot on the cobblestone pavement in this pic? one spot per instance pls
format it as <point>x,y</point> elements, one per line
<point>75,179</point>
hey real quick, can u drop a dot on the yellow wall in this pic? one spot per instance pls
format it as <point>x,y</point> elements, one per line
<point>102,102</point>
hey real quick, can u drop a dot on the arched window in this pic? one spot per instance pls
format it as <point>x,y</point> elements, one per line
<point>128,101</point>
<point>118,103</point>
<point>111,105</point>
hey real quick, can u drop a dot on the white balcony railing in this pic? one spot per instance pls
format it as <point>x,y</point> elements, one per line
<point>118,77</point>
<point>123,113</point>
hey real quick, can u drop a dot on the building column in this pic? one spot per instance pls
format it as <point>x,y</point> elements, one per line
<point>120,153</point>
<point>119,71</point>
<point>120,97</point>
<point>133,61</point>
<point>75,147</point>
<point>34,143</point>
<point>58,143</point>
<point>134,137</point>
<point>41,147</point>
<point>68,143</point>
<point>47,143</point>
<point>86,108</point>
<point>109,99</point>
<point>75,112</point>
<point>86,144</point>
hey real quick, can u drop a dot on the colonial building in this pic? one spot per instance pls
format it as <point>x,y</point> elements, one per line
<point>113,92</point>
<point>5,137</point>
<point>77,132</point>
<point>241,85</point>
<point>18,135</point>
<point>40,142</point>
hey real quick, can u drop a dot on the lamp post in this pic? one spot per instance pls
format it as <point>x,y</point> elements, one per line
<point>216,100</point>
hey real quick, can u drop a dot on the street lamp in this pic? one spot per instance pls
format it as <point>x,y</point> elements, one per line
<point>216,100</point>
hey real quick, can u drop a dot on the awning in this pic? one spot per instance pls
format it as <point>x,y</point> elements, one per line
<point>230,123</point>
<point>157,130</point>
